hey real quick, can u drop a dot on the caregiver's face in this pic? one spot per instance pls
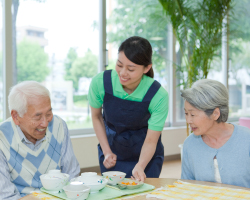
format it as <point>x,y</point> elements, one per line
<point>129,73</point>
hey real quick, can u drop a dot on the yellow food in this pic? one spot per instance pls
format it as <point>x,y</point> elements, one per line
<point>128,183</point>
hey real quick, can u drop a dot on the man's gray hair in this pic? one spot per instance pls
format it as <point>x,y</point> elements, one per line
<point>206,95</point>
<point>21,93</point>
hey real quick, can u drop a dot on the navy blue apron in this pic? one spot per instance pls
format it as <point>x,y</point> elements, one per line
<point>126,124</point>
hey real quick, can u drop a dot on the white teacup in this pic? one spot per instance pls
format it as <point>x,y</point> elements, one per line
<point>54,180</point>
<point>88,174</point>
<point>54,171</point>
<point>95,183</point>
<point>114,177</point>
<point>77,191</point>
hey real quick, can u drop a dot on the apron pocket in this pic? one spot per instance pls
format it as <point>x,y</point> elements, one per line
<point>128,145</point>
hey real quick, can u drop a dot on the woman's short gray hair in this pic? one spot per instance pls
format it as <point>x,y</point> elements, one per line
<point>206,95</point>
<point>22,92</point>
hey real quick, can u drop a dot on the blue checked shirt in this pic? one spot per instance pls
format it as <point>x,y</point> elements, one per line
<point>69,164</point>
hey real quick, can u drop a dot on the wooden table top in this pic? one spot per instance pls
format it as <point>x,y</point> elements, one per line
<point>159,182</point>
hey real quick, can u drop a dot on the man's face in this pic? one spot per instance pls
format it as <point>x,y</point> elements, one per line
<point>35,121</point>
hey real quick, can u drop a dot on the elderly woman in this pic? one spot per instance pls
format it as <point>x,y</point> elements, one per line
<point>216,151</point>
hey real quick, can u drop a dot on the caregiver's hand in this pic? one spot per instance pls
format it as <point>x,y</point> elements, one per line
<point>138,173</point>
<point>110,160</point>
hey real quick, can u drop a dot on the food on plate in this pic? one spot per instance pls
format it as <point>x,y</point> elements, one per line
<point>128,183</point>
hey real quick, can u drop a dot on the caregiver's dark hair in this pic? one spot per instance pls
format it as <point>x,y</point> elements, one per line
<point>139,51</point>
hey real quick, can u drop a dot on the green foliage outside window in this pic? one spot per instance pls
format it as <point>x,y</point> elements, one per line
<point>77,67</point>
<point>32,62</point>
<point>71,57</point>
<point>141,18</point>
<point>197,26</point>
<point>239,45</point>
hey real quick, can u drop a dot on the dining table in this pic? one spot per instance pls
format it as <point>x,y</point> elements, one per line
<point>160,182</point>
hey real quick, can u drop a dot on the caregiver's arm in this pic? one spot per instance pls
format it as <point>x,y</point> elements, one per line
<point>147,152</point>
<point>99,127</point>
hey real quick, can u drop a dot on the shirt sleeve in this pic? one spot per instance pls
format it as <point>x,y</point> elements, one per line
<point>96,91</point>
<point>8,190</point>
<point>69,163</point>
<point>186,172</point>
<point>158,109</point>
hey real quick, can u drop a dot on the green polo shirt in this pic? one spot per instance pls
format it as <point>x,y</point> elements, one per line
<point>158,107</point>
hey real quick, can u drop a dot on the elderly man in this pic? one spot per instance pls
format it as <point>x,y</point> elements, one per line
<point>32,142</point>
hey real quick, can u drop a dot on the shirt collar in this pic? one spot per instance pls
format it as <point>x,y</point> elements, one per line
<point>137,93</point>
<point>24,139</point>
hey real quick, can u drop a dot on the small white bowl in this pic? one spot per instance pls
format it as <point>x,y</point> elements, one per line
<point>88,174</point>
<point>54,182</point>
<point>95,184</point>
<point>77,191</point>
<point>87,178</point>
<point>54,171</point>
<point>114,177</point>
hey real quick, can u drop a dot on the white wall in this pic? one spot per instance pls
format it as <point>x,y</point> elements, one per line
<point>85,147</point>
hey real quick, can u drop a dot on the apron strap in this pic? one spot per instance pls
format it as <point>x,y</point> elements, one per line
<point>107,81</point>
<point>151,91</point>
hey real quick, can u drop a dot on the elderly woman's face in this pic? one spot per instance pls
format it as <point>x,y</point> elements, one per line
<point>35,121</point>
<point>199,122</point>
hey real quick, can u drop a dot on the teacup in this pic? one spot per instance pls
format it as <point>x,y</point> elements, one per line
<point>88,174</point>
<point>88,177</point>
<point>54,180</point>
<point>114,177</point>
<point>77,191</point>
<point>95,183</point>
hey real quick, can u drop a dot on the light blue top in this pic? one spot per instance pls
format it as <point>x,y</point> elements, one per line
<point>233,159</point>
<point>69,164</point>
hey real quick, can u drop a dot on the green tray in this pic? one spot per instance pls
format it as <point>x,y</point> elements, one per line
<point>106,193</point>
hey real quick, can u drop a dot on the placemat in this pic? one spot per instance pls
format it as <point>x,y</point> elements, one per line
<point>182,190</point>
<point>108,192</point>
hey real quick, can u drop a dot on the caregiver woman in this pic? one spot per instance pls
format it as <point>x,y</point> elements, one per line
<point>135,108</point>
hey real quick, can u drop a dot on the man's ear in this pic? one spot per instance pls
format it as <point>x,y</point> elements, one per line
<point>15,117</point>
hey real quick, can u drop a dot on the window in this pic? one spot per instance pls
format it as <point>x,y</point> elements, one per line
<point>1,64</point>
<point>66,45</point>
<point>239,63</point>
<point>58,45</point>
<point>128,18</point>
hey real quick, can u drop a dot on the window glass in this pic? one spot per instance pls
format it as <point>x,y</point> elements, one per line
<point>191,57</point>
<point>126,18</point>
<point>1,62</point>
<point>215,73</point>
<point>239,63</point>
<point>179,104</point>
<point>57,44</point>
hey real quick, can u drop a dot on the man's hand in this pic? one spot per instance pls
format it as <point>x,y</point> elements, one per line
<point>110,160</point>
<point>138,173</point>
